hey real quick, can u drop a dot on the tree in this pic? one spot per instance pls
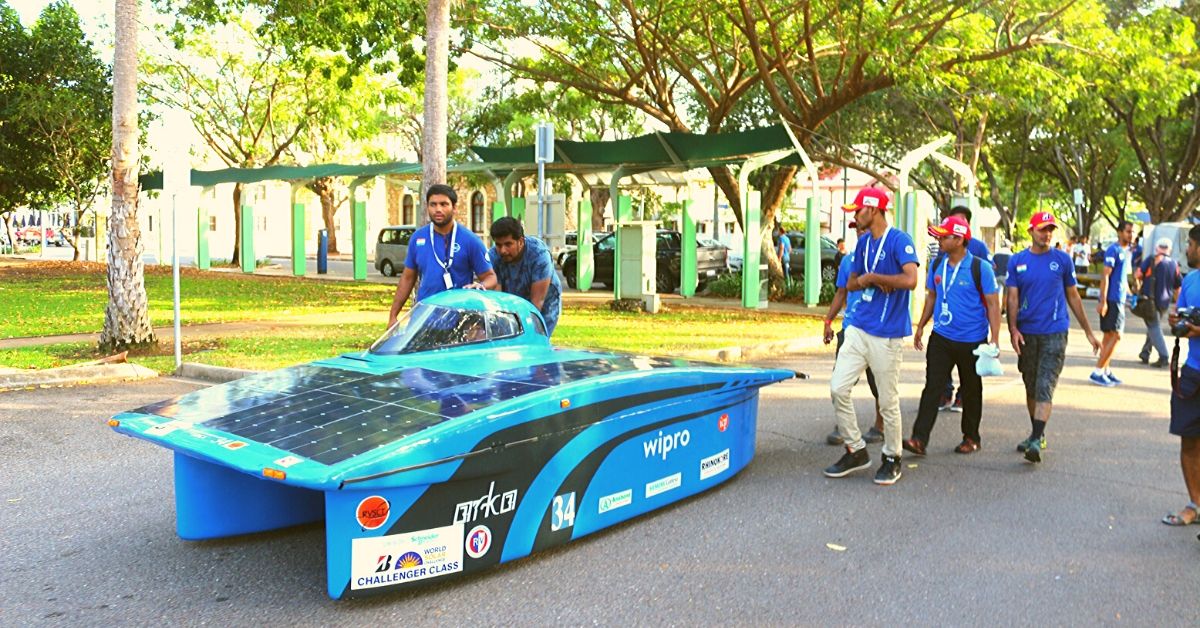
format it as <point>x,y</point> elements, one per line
<point>126,317</point>
<point>22,172</point>
<point>437,97</point>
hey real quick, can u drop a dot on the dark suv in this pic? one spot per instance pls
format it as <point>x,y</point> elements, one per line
<point>710,261</point>
<point>796,261</point>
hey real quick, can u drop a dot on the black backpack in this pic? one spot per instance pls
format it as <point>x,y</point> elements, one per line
<point>976,273</point>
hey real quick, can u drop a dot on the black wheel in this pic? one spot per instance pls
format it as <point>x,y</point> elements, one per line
<point>386,268</point>
<point>664,283</point>
<point>569,272</point>
<point>828,274</point>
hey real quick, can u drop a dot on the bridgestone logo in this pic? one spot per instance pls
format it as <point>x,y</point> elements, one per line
<point>714,464</point>
<point>615,501</point>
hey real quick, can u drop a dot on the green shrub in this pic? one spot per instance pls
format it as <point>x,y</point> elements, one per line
<point>729,286</point>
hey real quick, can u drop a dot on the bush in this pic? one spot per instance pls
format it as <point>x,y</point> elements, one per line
<point>729,286</point>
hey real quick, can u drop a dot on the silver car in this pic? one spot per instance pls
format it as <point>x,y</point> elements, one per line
<point>392,248</point>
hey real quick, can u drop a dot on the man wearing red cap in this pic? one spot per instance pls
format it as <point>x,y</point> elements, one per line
<point>967,309</point>
<point>1040,286</point>
<point>885,271</point>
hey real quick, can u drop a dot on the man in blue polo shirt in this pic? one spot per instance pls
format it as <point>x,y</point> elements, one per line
<point>442,255</point>
<point>524,268</point>
<point>1039,288</point>
<point>1114,287</point>
<point>885,271</point>
<point>1185,393</point>
<point>979,249</point>
<point>850,300</point>
<point>965,314</point>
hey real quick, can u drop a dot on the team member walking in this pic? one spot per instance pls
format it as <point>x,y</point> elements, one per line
<point>442,256</point>
<point>1039,288</point>
<point>1159,279</point>
<point>1185,392</point>
<point>1114,287</point>
<point>524,268</point>
<point>965,310</point>
<point>885,271</point>
<point>979,249</point>
<point>850,300</point>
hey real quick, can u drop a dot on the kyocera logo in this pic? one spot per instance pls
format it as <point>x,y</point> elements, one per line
<point>662,444</point>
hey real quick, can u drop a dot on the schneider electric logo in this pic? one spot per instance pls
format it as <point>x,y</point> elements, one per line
<point>662,444</point>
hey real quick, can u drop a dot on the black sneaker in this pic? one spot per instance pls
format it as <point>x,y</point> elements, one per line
<point>834,438</point>
<point>889,471</point>
<point>849,463</point>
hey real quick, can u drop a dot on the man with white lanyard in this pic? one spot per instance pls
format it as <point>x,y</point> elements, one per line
<point>967,310</point>
<point>885,271</point>
<point>442,255</point>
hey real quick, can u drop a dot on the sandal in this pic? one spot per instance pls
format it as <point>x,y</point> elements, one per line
<point>1178,518</point>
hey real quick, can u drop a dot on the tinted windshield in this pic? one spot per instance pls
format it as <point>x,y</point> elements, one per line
<point>429,327</point>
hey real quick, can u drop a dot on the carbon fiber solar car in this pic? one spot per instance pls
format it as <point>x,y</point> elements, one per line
<point>459,440</point>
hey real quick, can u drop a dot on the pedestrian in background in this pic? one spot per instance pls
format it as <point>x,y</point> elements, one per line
<point>1039,289</point>
<point>1159,279</point>
<point>1185,391</point>
<point>1114,288</point>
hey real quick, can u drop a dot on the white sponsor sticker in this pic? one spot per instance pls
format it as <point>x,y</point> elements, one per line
<point>162,429</point>
<point>288,461</point>
<point>713,465</point>
<point>615,501</point>
<point>398,558</point>
<point>663,485</point>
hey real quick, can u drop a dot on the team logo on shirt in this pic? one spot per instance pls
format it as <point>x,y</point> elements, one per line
<point>1021,268</point>
<point>1053,265</point>
<point>909,249</point>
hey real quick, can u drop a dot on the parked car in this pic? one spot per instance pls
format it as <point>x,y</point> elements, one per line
<point>391,248</point>
<point>710,261</point>
<point>796,261</point>
<point>572,240</point>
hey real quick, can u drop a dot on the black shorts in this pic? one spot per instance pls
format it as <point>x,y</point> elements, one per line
<point>1185,404</point>
<point>1114,318</point>
<point>1040,363</point>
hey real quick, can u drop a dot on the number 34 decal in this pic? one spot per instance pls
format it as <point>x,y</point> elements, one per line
<point>562,512</point>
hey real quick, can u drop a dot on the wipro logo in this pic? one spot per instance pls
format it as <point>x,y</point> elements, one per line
<point>662,444</point>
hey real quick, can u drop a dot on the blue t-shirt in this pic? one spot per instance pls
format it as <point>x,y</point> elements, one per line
<point>785,246</point>
<point>1189,296</point>
<point>967,320</point>
<point>1116,257</point>
<point>1162,280</point>
<point>1042,282</point>
<point>880,313</point>
<point>469,259</point>
<point>845,267</point>
<point>534,265</point>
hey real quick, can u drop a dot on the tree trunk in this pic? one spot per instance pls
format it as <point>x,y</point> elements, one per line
<point>323,188</point>
<point>126,318</point>
<point>7,218</point>
<point>236,258</point>
<point>433,139</point>
<point>599,195</point>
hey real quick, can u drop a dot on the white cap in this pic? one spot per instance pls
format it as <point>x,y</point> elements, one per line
<point>1164,244</point>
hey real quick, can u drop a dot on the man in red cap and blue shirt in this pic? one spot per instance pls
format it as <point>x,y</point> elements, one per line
<point>885,271</point>
<point>965,310</point>
<point>1040,286</point>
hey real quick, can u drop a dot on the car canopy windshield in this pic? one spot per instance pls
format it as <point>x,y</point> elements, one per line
<point>428,327</point>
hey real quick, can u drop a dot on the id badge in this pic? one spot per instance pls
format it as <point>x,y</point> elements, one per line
<point>449,282</point>
<point>945,308</point>
<point>868,294</point>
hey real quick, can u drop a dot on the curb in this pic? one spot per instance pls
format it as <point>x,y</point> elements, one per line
<point>208,373</point>
<point>76,375</point>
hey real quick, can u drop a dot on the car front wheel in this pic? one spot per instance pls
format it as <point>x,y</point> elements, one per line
<point>568,269</point>
<point>664,282</point>
<point>387,269</point>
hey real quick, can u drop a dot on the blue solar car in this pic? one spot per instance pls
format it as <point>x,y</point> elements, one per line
<point>459,440</point>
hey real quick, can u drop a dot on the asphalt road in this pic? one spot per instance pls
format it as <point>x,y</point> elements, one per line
<point>985,539</point>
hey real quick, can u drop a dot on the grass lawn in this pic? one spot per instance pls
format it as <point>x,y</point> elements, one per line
<point>72,299</point>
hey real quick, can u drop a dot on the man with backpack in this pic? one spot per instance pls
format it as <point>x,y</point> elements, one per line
<point>977,248</point>
<point>965,309</point>
<point>1160,281</point>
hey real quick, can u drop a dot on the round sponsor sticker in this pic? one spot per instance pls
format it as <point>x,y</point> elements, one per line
<point>372,512</point>
<point>723,423</point>
<point>479,541</point>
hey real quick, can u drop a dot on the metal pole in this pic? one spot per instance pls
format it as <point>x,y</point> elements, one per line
<point>541,202</point>
<point>175,277</point>
<point>845,197</point>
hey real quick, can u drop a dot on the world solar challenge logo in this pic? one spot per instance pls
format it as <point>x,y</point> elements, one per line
<point>399,558</point>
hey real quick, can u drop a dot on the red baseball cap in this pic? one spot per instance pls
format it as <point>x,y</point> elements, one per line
<point>868,197</point>
<point>952,226</point>
<point>1041,220</point>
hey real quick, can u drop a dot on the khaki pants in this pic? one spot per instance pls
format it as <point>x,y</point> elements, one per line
<point>883,356</point>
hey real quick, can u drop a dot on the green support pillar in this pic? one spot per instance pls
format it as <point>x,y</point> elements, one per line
<point>687,257</point>
<point>518,210</point>
<point>247,250</point>
<point>585,268</point>
<point>624,213</point>
<point>812,252</point>
<point>499,210</point>
<point>358,226</point>
<point>202,259</point>
<point>298,260</point>
<point>751,251</point>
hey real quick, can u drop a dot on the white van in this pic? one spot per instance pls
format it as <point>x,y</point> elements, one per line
<point>1177,233</point>
<point>391,248</point>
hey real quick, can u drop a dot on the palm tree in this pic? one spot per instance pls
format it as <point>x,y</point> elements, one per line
<point>126,319</point>
<point>433,141</point>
